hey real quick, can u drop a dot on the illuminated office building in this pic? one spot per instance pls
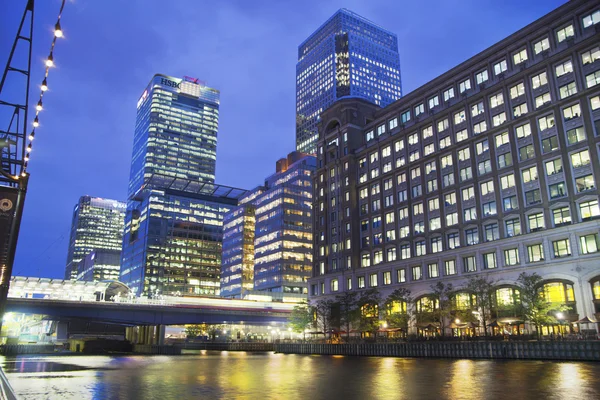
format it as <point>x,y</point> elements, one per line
<point>267,241</point>
<point>348,56</point>
<point>491,169</point>
<point>97,224</point>
<point>174,221</point>
<point>99,265</point>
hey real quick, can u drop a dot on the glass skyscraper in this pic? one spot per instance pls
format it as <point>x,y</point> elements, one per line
<point>268,239</point>
<point>97,225</point>
<point>174,220</point>
<point>347,56</point>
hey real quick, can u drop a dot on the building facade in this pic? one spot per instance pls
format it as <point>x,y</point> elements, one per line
<point>174,220</point>
<point>97,224</point>
<point>100,265</point>
<point>267,243</point>
<point>347,56</point>
<point>491,169</point>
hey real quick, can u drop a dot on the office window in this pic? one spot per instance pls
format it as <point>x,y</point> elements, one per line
<point>539,80</point>
<point>470,214</point>
<point>417,191</point>
<point>529,174</point>
<point>453,240</point>
<point>540,46</point>
<point>564,33</point>
<point>592,79</point>
<point>520,57</point>
<point>464,154</point>
<point>433,270</point>
<point>472,236</point>
<point>414,156</point>
<point>399,145</point>
<point>446,161</point>
<point>546,122</point>
<point>432,185</point>
<point>571,112</point>
<point>526,152</point>
<point>434,102</point>
<point>436,245</point>
<point>468,193</point>
<point>576,135</point>
<point>461,135</point>
<point>404,232</point>
<point>443,125</point>
<point>405,116</point>
<point>520,110</point>
<point>590,56</point>
<point>489,208</point>
<point>482,76</point>
<point>477,109</point>
<point>445,142</point>
<point>393,123</point>
<point>459,117</point>
<point>496,100</point>
<point>498,119</point>
<point>435,223</point>
<point>489,260</point>
<point>491,232</point>
<point>469,264</point>
<point>427,132</point>
<point>550,144</point>
<point>365,260</point>
<point>557,190</point>
<point>450,199</point>
<point>391,254</point>
<point>523,130</point>
<point>334,285</point>
<point>536,222</point>
<point>430,167</point>
<point>487,188</point>
<point>380,130</point>
<point>589,209</point>
<point>349,284</point>
<point>511,257</point>
<point>562,248</point>
<point>580,159</point>
<point>361,282</point>
<point>505,160</point>
<point>542,99</point>
<point>500,67</point>
<point>420,249</point>
<point>563,68</point>
<point>420,109</point>
<point>448,94</point>
<point>510,203</point>
<point>591,19</point>
<point>594,105</point>
<point>429,149</point>
<point>401,275</point>
<point>585,183</point>
<point>373,280</point>
<point>451,219</point>
<point>589,243</point>
<point>466,174</point>
<point>404,251</point>
<point>513,227</point>
<point>480,127</point>
<point>464,85</point>
<point>507,181</point>
<point>561,216</point>
<point>419,227</point>
<point>533,197</point>
<point>450,267</point>
<point>517,90</point>
<point>417,273</point>
<point>553,167</point>
<point>535,253</point>
<point>502,139</point>
<point>370,136</point>
<point>567,90</point>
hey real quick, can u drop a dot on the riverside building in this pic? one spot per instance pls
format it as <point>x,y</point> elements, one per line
<point>97,225</point>
<point>347,56</point>
<point>174,221</point>
<point>490,169</point>
<point>267,240</point>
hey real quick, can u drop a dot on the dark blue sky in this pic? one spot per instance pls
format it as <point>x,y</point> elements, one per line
<point>246,49</point>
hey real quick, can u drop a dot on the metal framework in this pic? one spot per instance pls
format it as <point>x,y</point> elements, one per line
<point>13,115</point>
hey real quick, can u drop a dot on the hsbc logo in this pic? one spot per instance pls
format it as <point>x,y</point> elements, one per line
<point>169,83</point>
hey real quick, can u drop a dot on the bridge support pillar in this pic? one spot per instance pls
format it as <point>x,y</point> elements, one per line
<point>161,329</point>
<point>149,334</point>
<point>142,335</point>
<point>129,330</point>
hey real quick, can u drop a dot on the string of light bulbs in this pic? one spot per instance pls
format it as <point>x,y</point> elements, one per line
<point>58,33</point>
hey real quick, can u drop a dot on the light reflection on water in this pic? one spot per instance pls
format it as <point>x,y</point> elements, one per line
<point>239,375</point>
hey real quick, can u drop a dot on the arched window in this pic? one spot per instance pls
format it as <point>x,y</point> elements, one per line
<point>463,301</point>
<point>557,292</point>
<point>427,304</point>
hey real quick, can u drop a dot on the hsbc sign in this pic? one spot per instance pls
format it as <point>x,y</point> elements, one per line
<point>169,83</point>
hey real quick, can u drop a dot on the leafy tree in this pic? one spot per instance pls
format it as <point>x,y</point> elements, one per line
<point>399,319</point>
<point>535,308</point>
<point>194,330</point>
<point>322,312</point>
<point>301,318</point>
<point>442,292</point>
<point>349,311</point>
<point>212,331</point>
<point>482,288</point>
<point>368,306</point>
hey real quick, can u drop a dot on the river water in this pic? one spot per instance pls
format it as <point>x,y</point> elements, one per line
<point>238,375</point>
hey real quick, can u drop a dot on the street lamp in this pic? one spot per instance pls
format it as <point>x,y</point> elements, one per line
<point>457,321</point>
<point>560,315</point>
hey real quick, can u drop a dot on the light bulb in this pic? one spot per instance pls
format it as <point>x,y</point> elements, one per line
<point>57,30</point>
<point>23,174</point>
<point>50,61</point>
<point>44,85</point>
<point>39,106</point>
<point>36,122</point>
<point>31,137</point>
<point>26,158</point>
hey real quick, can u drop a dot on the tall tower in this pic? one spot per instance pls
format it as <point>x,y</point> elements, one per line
<point>348,56</point>
<point>174,220</point>
<point>97,225</point>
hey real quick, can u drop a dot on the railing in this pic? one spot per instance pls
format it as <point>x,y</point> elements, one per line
<point>227,346</point>
<point>6,391</point>
<point>15,349</point>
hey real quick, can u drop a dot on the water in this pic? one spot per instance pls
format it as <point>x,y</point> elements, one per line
<point>238,375</point>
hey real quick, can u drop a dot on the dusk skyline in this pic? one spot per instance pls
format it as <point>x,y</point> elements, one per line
<point>247,52</point>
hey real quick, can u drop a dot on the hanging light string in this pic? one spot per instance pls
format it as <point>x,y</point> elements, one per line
<point>58,33</point>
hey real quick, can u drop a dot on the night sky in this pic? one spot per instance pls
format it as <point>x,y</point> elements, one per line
<point>246,49</point>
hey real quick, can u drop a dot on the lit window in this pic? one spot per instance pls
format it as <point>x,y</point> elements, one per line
<point>481,77</point>
<point>542,45</point>
<point>464,85</point>
<point>496,100</point>
<point>405,116</point>
<point>507,181</point>
<point>498,119</point>
<point>472,236</point>
<point>545,122</point>
<point>591,19</point>
<point>536,222</point>
<point>433,270</point>
<point>567,90</point>
<point>393,123</point>
<point>489,260</point>
<point>464,154</point>
<point>500,67</point>
<point>443,125</point>
<point>517,90</point>
<point>520,110</point>
<point>589,210</point>
<point>539,80</point>
<point>550,144</point>
<point>520,57</point>
<point>562,248</point>
<point>469,264</point>
<point>450,267</point>
<point>491,232</point>
<point>420,109</point>
<point>433,102</point>
<point>554,167</point>
<point>564,68</point>
<point>571,112</point>
<point>590,56</point>
<point>513,227</point>
<point>565,33</point>
<point>592,79</point>
<point>448,94</point>
<point>542,99</point>
<point>461,135</point>
<point>530,174</point>
<point>535,253</point>
<point>524,130</point>
<point>511,257</point>
<point>584,183</point>
<point>589,243</point>
<point>459,117</point>
<point>576,135</point>
<point>502,139</point>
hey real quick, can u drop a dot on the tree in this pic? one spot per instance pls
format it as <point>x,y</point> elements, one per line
<point>212,331</point>
<point>322,310</point>
<point>442,292</point>
<point>368,307</point>
<point>535,308</point>
<point>194,330</point>
<point>399,319</point>
<point>349,311</point>
<point>482,288</point>
<point>301,318</point>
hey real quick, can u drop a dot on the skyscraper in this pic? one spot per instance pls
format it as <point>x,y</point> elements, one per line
<point>348,56</point>
<point>268,239</point>
<point>97,225</point>
<point>174,220</point>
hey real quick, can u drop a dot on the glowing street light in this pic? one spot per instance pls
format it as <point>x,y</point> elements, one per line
<point>560,315</point>
<point>57,30</point>
<point>39,106</point>
<point>50,61</point>
<point>44,85</point>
